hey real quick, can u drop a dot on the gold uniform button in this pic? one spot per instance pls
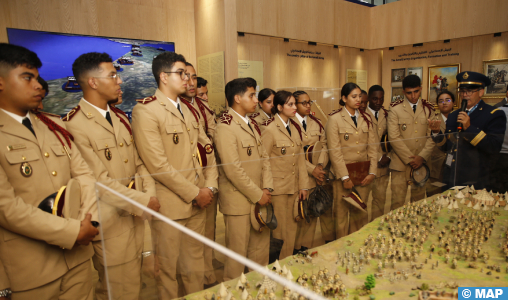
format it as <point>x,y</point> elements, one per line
<point>192,142</point>
<point>46,154</point>
<point>293,154</point>
<point>292,145</point>
<point>23,158</point>
<point>357,142</point>
<point>126,160</point>
<point>121,144</point>
<point>357,132</point>
<point>175,130</point>
<point>53,173</point>
<point>416,131</point>
<point>293,173</point>
<point>417,140</point>
<point>306,136</point>
<point>188,129</point>
<point>358,152</point>
<point>453,160</point>
<point>193,155</point>
<point>416,122</point>
<point>293,164</point>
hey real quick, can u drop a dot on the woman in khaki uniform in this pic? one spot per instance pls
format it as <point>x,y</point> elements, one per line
<point>351,138</point>
<point>265,105</point>
<point>283,143</point>
<point>312,131</point>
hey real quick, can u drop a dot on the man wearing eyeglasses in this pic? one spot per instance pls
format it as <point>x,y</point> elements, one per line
<point>103,135</point>
<point>481,134</point>
<point>167,133</point>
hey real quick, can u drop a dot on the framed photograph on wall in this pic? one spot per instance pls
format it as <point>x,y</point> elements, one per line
<point>397,94</point>
<point>442,78</point>
<point>497,71</point>
<point>398,75</point>
<point>418,71</point>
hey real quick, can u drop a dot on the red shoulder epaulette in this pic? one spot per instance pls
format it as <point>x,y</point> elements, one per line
<point>297,128</point>
<point>226,118</point>
<point>254,115</point>
<point>146,100</point>
<point>428,105</point>
<point>200,103</point>
<point>393,104</point>
<point>386,111</point>
<point>194,111</point>
<point>118,111</point>
<point>256,126</point>
<point>71,114</point>
<point>321,127</point>
<point>203,108</point>
<point>366,117</point>
<point>267,122</point>
<point>335,111</point>
<point>56,128</point>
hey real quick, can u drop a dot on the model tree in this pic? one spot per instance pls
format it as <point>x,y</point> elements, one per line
<point>370,283</point>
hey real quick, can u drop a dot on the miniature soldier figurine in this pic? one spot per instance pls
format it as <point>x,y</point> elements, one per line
<point>103,135</point>
<point>177,152</point>
<point>44,256</point>
<point>245,176</point>
<point>409,138</point>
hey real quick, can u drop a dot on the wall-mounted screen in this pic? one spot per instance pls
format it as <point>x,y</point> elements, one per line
<point>57,51</point>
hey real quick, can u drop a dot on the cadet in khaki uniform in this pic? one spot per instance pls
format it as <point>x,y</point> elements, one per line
<point>103,135</point>
<point>378,114</point>
<point>445,101</point>
<point>312,131</point>
<point>265,105</point>
<point>167,133</point>
<point>351,138</point>
<point>410,140</point>
<point>283,142</point>
<point>245,176</point>
<point>207,121</point>
<point>37,158</point>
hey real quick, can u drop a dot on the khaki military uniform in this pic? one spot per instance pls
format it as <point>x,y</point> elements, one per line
<point>260,117</point>
<point>348,143</point>
<point>244,172</point>
<point>111,153</point>
<point>207,121</point>
<point>409,135</point>
<point>436,162</point>
<point>315,132</point>
<point>380,184</point>
<point>167,144</point>
<point>34,247</point>
<point>289,172</point>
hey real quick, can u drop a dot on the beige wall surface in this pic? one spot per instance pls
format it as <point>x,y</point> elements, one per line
<point>472,52</point>
<point>325,21</point>
<point>159,20</point>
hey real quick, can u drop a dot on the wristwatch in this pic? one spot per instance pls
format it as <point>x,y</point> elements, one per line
<point>269,189</point>
<point>6,293</point>
<point>214,190</point>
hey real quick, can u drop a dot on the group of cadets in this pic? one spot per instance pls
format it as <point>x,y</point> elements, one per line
<point>179,159</point>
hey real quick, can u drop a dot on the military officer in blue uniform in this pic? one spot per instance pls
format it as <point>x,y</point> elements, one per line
<point>471,136</point>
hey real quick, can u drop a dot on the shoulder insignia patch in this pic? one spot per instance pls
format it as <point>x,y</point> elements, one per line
<point>386,111</point>
<point>71,114</point>
<point>393,104</point>
<point>254,115</point>
<point>226,118</point>
<point>428,104</point>
<point>493,111</point>
<point>335,111</point>
<point>267,122</point>
<point>146,100</point>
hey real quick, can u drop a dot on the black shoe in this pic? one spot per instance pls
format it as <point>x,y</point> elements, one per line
<point>207,286</point>
<point>275,249</point>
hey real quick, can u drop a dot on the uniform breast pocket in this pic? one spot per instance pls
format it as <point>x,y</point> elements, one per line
<point>20,156</point>
<point>281,146</point>
<point>105,143</point>
<point>59,150</point>
<point>172,129</point>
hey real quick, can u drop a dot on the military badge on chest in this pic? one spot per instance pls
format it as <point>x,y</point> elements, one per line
<point>26,169</point>
<point>346,137</point>
<point>283,150</point>
<point>249,151</point>
<point>107,154</point>
<point>404,127</point>
<point>176,138</point>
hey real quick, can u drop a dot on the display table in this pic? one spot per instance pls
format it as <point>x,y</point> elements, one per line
<point>434,245</point>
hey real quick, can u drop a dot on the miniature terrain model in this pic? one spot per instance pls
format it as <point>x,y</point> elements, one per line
<point>424,250</point>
